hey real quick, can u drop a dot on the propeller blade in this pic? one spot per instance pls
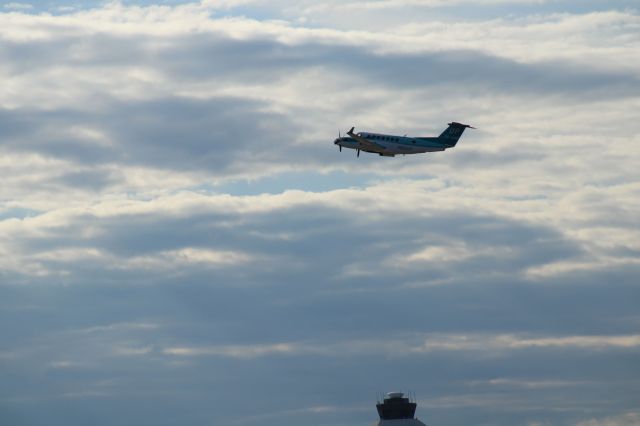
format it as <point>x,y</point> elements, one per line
<point>340,148</point>
<point>358,153</point>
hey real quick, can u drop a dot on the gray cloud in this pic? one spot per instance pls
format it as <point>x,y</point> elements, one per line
<point>498,281</point>
<point>302,254</point>
<point>234,136</point>
<point>217,135</point>
<point>214,56</point>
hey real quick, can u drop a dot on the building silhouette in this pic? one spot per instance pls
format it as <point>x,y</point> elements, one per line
<point>396,410</point>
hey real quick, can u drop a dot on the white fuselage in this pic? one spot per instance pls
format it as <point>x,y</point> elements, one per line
<point>389,145</point>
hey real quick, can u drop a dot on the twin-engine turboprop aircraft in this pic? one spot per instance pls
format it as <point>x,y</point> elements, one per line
<point>390,145</point>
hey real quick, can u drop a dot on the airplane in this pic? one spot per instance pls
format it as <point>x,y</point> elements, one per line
<point>391,145</point>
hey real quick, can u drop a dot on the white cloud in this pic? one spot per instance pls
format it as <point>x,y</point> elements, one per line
<point>515,342</point>
<point>387,4</point>
<point>585,265</point>
<point>451,253</point>
<point>18,6</point>
<point>395,348</point>
<point>234,351</point>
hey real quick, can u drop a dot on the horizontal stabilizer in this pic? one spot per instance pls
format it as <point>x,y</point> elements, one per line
<point>454,123</point>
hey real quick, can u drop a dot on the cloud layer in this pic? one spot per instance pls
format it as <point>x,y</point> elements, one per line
<point>180,241</point>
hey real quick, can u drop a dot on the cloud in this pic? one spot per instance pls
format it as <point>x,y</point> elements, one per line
<point>511,342</point>
<point>176,226</point>
<point>629,419</point>
<point>106,102</point>
<point>385,4</point>
<point>492,344</point>
<point>531,384</point>
<point>243,352</point>
<point>189,229</point>
<point>18,6</point>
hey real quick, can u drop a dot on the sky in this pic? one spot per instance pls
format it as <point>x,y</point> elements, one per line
<point>182,243</point>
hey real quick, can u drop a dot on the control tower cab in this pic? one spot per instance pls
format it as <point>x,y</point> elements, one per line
<point>396,410</point>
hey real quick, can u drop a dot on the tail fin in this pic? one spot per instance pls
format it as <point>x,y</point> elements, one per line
<point>452,134</point>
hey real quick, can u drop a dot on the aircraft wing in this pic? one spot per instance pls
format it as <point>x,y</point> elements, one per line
<point>366,143</point>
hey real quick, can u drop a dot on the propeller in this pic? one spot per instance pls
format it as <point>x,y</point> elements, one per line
<point>339,136</point>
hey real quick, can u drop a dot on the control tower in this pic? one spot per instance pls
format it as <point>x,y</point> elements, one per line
<point>396,410</point>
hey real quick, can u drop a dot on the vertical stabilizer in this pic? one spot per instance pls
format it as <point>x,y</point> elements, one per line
<point>452,134</point>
